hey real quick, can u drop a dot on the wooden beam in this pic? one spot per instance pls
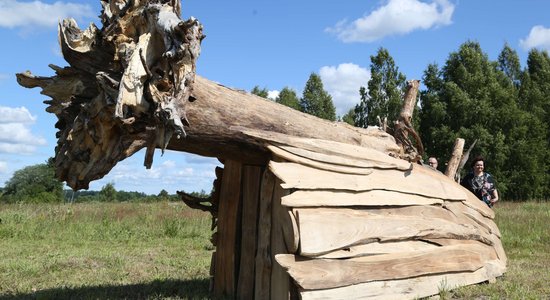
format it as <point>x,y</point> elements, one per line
<point>342,198</point>
<point>410,288</point>
<point>411,182</point>
<point>327,229</point>
<point>454,161</point>
<point>331,273</point>
<point>226,263</point>
<point>252,176</point>
<point>280,281</point>
<point>263,260</point>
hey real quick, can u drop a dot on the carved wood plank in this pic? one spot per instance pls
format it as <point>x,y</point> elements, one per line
<point>324,229</point>
<point>251,195</point>
<point>280,281</point>
<point>343,159</point>
<point>473,202</point>
<point>462,209</point>
<point>318,165</point>
<point>301,177</point>
<point>309,198</point>
<point>331,273</point>
<point>224,275</point>
<point>374,146</point>
<point>263,254</point>
<point>411,288</point>
<point>375,248</point>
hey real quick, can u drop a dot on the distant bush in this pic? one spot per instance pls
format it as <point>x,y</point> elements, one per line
<point>33,184</point>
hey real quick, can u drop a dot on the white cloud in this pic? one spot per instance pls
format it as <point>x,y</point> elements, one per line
<point>16,115</point>
<point>18,133</point>
<point>17,148</point>
<point>3,167</point>
<point>273,94</point>
<point>15,132</point>
<point>396,17</point>
<point>342,83</point>
<point>15,13</point>
<point>539,37</point>
<point>175,171</point>
<point>168,164</point>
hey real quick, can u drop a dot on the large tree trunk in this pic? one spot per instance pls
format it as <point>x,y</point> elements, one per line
<point>131,84</point>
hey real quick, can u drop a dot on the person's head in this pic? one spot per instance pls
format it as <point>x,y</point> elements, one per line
<point>478,165</point>
<point>432,161</point>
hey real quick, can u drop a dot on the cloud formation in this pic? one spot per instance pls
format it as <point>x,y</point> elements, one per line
<point>3,167</point>
<point>273,94</point>
<point>397,17</point>
<point>15,133</point>
<point>175,171</point>
<point>342,82</point>
<point>539,37</point>
<point>15,13</point>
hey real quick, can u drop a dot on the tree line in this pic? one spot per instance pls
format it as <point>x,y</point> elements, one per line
<point>37,184</point>
<point>502,105</point>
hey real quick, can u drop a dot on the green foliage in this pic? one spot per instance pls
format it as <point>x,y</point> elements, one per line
<point>108,193</point>
<point>33,184</point>
<point>472,97</point>
<point>288,97</point>
<point>384,97</point>
<point>349,117</point>
<point>260,92</point>
<point>316,101</point>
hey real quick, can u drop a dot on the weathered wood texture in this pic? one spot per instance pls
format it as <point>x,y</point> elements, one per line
<point>367,220</point>
<point>131,85</point>
<point>410,288</point>
<point>403,128</point>
<point>331,273</point>
<point>454,161</point>
<point>226,247</point>
<point>280,280</point>
<point>264,263</point>
<point>252,176</point>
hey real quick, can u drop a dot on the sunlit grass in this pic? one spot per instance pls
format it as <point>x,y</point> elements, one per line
<point>134,250</point>
<point>525,228</point>
<point>162,251</point>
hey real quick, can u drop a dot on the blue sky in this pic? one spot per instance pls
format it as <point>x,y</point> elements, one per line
<point>272,44</point>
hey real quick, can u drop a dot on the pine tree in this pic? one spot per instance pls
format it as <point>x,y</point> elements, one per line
<point>349,117</point>
<point>384,97</point>
<point>288,97</point>
<point>316,101</point>
<point>259,92</point>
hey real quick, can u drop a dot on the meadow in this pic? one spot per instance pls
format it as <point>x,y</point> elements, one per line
<point>162,250</point>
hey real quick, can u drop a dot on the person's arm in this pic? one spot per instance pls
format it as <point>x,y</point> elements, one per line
<point>495,196</point>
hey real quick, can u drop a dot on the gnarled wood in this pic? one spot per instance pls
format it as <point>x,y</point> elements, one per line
<point>455,159</point>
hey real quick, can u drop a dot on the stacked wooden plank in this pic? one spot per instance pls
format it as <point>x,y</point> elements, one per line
<point>358,223</point>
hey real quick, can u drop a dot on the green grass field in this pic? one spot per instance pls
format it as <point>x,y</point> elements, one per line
<point>104,251</point>
<point>162,251</point>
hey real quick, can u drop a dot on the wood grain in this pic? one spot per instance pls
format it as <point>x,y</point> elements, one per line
<point>325,229</point>
<point>411,182</point>
<point>251,197</point>
<point>224,274</point>
<point>331,273</point>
